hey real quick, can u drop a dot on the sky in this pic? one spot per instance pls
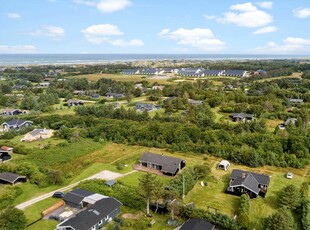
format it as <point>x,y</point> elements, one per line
<point>155,26</point>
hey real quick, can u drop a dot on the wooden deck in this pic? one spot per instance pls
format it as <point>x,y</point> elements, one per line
<point>146,169</point>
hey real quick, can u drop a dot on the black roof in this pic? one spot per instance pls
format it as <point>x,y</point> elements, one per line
<point>16,122</point>
<point>260,178</point>
<point>197,224</point>
<point>248,181</point>
<point>77,195</point>
<point>10,177</point>
<point>169,164</point>
<point>92,215</point>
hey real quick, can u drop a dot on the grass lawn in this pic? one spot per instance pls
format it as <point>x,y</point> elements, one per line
<point>160,219</point>
<point>272,124</point>
<point>44,224</point>
<point>119,77</point>
<point>32,190</point>
<point>34,211</point>
<point>133,179</point>
<point>36,144</point>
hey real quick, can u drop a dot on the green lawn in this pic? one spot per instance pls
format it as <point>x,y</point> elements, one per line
<point>133,179</point>
<point>36,144</point>
<point>43,225</point>
<point>31,190</point>
<point>120,77</point>
<point>34,212</point>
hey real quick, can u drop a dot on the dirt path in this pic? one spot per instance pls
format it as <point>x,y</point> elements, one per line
<point>105,174</point>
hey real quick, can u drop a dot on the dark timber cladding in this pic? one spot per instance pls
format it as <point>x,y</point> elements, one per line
<point>11,178</point>
<point>165,164</point>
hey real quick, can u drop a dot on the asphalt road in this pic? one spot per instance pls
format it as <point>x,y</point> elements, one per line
<point>105,174</point>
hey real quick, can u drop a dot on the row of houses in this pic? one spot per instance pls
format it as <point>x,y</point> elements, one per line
<point>190,72</point>
<point>148,71</point>
<point>201,72</point>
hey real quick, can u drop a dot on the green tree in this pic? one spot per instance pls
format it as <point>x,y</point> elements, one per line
<point>289,197</point>
<point>283,219</point>
<point>12,219</point>
<point>54,177</point>
<point>305,214</point>
<point>148,184</point>
<point>243,211</point>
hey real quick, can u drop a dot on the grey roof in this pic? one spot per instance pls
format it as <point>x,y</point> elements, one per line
<point>234,72</point>
<point>36,132</point>
<point>169,164</point>
<point>293,100</point>
<point>129,71</point>
<point>195,102</point>
<point>291,121</point>
<point>248,181</point>
<point>148,71</point>
<point>260,178</point>
<point>212,72</point>
<point>197,224</point>
<point>119,95</point>
<point>241,115</point>
<point>145,106</point>
<point>16,122</point>
<point>10,177</point>
<point>110,182</point>
<point>92,215</point>
<point>77,195</point>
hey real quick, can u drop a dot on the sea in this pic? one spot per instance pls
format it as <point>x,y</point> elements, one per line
<point>60,59</point>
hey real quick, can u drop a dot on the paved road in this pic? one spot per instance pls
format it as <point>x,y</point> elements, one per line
<point>105,174</point>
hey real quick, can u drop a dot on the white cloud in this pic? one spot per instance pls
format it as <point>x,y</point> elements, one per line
<point>14,15</point>
<point>266,5</point>
<point>209,17</point>
<point>102,30</point>
<point>246,15</point>
<point>18,49</point>
<point>53,32</point>
<point>290,45</point>
<point>104,33</point>
<point>121,42</point>
<point>199,38</point>
<point>302,12</point>
<point>106,6</point>
<point>266,30</point>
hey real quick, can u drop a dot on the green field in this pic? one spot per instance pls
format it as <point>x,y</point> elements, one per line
<point>119,77</point>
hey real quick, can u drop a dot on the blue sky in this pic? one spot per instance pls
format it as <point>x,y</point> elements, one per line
<point>158,26</point>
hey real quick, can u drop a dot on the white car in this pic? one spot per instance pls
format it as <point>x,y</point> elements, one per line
<point>289,175</point>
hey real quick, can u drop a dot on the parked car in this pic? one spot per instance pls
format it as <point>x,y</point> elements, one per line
<point>58,195</point>
<point>289,175</point>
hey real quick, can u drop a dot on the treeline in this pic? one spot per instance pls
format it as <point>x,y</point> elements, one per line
<point>244,143</point>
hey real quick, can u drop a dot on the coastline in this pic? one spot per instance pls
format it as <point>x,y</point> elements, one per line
<point>97,59</point>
